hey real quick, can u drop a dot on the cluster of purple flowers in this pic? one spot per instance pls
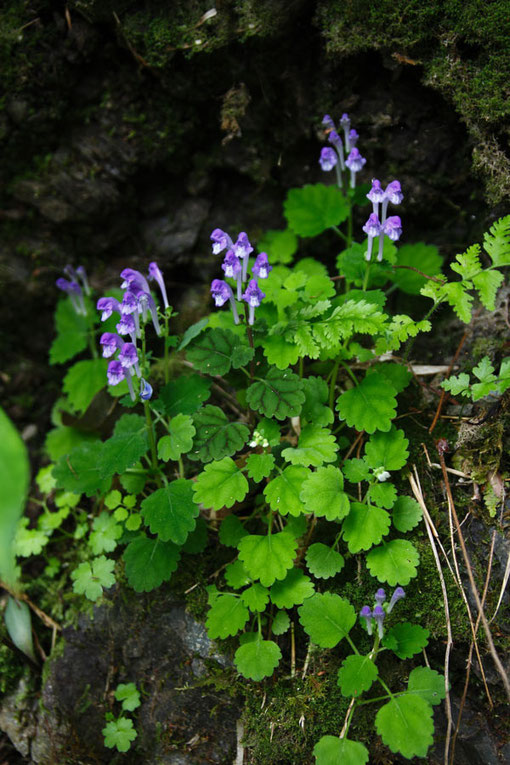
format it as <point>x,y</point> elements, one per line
<point>137,302</point>
<point>335,158</point>
<point>379,612</point>
<point>73,287</point>
<point>235,266</point>
<point>383,226</point>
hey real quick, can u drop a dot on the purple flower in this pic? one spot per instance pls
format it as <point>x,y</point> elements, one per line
<point>253,296</point>
<point>328,122</point>
<point>133,278</point>
<point>115,372</point>
<point>353,138</point>
<point>231,265</point>
<point>146,301</point>
<point>221,292</point>
<point>145,390</point>
<point>366,615</point>
<point>376,195</point>
<point>372,228</point>
<point>261,267</point>
<point>108,305</point>
<point>355,161</point>
<point>394,193</point>
<point>73,289</point>
<point>110,343</point>
<point>345,121</point>
<point>392,227</point>
<point>380,596</point>
<point>335,139</point>
<point>126,325</point>
<point>328,159</point>
<point>397,595</point>
<point>130,304</point>
<point>128,356</point>
<point>242,249</point>
<point>379,614</point>
<point>82,275</point>
<point>155,273</point>
<point>221,241</point>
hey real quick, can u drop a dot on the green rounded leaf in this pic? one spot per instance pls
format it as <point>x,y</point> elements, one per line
<point>331,750</point>
<point>257,659</point>
<point>184,395</point>
<point>259,466</point>
<point>314,208</point>
<point>327,618</point>
<point>267,557</point>
<point>236,575</point>
<point>180,438</point>
<point>428,684</point>
<point>406,640</point>
<point>387,450</point>
<point>83,380</point>
<point>226,616</point>
<point>382,494</point>
<point>425,257</point>
<point>231,531</point>
<point>128,443</point>
<point>217,350</point>
<point>293,590</point>
<point>170,512</point>
<point>283,492</point>
<point>81,471</point>
<point>322,494</point>
<point>149,562</point>
<point>406,514</point>
<point>129,695</point>
<point>405,725</point>
<point>281,623</point>
<point>365,526</point>
<point>323,561</point>
<point>280,395</point>
<point>369,406</point>
<point>221,484</point>
<point>356,675</point>
<point>255,597</point>
<point>89,579</point>
<point>119,733</point>
<point>216,437</point>
<point>394,562</point>
<point>14,478</point>
<point>316,445</point>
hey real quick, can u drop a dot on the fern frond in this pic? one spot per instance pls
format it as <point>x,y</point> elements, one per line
<point>497,242</point>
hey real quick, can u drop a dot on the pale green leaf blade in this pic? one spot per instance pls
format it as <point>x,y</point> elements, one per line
<point>71,330</point>
<point>149,562</point>
<point>406,514</point>
<point>179,440</point>
<point>226,616</point>
<point>231,531</point>
<point>255,597</point>
<point>322,494</point>
<point>220,484</point>
<point>281,623</point>
<point>236,575</point>
<point>280,395</point>
<point>424,257</point>
<point>170,512</point>
<point>365,526</point>
<point>316,445</point>
<point>394,562</point>
<point>293,590</point>
<point>382,495</point>
<point>82,472</point>
<point>428,684</point>
<point>259,466</point>
<point>14,477</point>
<point>327,618</point>
<point>487,284</point>
<point>331,750</point>
<point>83,380</point>
<point>129,695</point>
<point>405,725</point>
<point>406,640</point>
<point>257,659</point>
<point>119,733</point>
<point>314,208</point>
<point>387,450</point>
<point>127,445</point>
<point>280,351</point>
<point>356,675</point>
<point>369,406</point>
<point>323,561</point>
<point>283,491</point>
<point>267,558</point>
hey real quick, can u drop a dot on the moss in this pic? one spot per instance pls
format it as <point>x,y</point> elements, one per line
<point>11,667</point>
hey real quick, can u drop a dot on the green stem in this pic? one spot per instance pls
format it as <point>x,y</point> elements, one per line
<point>152,441</point>
<point>301,362</point>
<point>367,274</point>
<point>340,233</point>
<point>349,226</point>
<point>349,372</point>
<point>332,384</point>
<point>181,467</point>
<point>166,353</point>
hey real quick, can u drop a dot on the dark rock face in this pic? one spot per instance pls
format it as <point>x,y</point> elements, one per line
<point>153,642</point>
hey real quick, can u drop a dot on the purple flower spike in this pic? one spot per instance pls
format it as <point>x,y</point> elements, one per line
<point>345,121</point>
<point>380,596</point>
<point>221,292</point>
<point>379,614</point>
<point>115,373</point>
<point>82,275</point>
<point>147,302</point>
<point>145,390</point>
<point>231,265</point>
<point>355,163</point>
<point>73,289</point>
<point>133,278</point>
<point>376,195</point>
<point>392,227</point>
<point>328,122</point>
<point>366,615</point>
<point>353,139</point>
<point>261,267</point>
<point>126,326</point>
<point>253,296</point>
<point>397,595</point>
<point>220,240</point>
<point>372,228</point>
<point>108,305</point>
<point>110,343</point>
<point>394,193</point>
<point>155,273</point>
<point>242,249</point>
<point>128,357</point>
<point>328,159</point>
<point>336,141</point>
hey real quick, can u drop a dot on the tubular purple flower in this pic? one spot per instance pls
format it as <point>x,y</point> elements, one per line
<point>242,249</point>
<point>233,269</point>
<point>155,273</point>
<point>70,271</point>
<point>352,139</point>
<point>110,343</point>
<point>328,159</point>
<point>392,227</point>
<point>380,596</point>
<point>345,124</point>
<point>394,193</point>
<point>145,390</point>
<point>115,373</point>
<point>397,595</point>
<point>379,614</point>
<point>376,195</point>
<point>366,615</point>
<point>355,163</point>
<point>134,278</point>
<point>336,141</point>
<point>372,228</point>
<point>328,122</point>
<point>221,292</point>
<point>261,267</point>
<point>130,304</point>
<point>253,296</point>
<point>221,241</point>
<point>82,275</point>
<point>126,326</point>
<point>128,357</point>
<point>147,301</point>
<point>73,289</point>
<point>108,305</point>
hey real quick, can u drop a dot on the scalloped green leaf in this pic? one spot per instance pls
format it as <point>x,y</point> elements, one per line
<point>170,512</point>
<point>226,616</point>
<point>231,531</point>
<point>83,380</point>
<point>369,406</point>
<point>90,579</point>
<point>220,484</point>
<point>281,623</point>
<point>179,440</point>
<point>267,558</point>
<point>216,437</point>
<point>406,639</point>
<point>382,495</point>
<point>419,255</point>
<point>236,575</point>
<point>312,209</point>
<point>322,494</point>
<point>314,409</point>
<point>149,562</point>
<point>283,491</point>
<point>365,526</point>
<point>323,561</point>
<point>259,466</point>
<point>397,374</point>
<point>81,471</point>
<point>257,659</point>
<point>428,684</point>
<point>293,590</point>
<point>356,675</point>
<point>327,618</point>
<point>356,470</point>
<point>255,597</point>
<point>406,514</point>
<point>184,395</point>
<point>280,395</point>
<point>394,562</point>
<point>331,750</point>
<point>279,245</point>
<point>405,725</point>
<point>218,350</point>
<point>128,443</point>
<point>279,351</point>
<point>71,330</point>
<point>316,445</point>
<point>388,450</point>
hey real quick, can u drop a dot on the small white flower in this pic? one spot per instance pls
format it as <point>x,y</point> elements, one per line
<point>381,474</point>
